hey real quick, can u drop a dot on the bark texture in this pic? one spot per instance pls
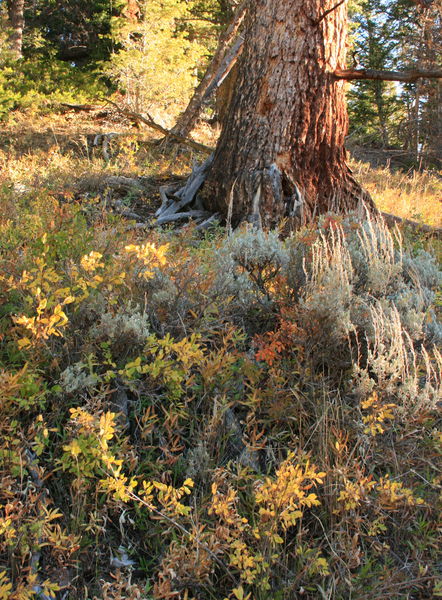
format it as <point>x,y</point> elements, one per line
<point>17,23</point>
<point>281,153</point>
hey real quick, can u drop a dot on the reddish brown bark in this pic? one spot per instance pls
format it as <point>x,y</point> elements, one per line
<point>281,153</point>
<point>17,22</point>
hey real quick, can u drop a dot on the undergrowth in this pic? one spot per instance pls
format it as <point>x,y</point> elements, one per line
<point>202,416</point>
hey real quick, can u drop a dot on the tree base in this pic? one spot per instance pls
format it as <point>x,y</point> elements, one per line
<point>265,198</point>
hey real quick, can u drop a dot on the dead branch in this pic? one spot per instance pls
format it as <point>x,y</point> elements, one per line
<point>82,107</point>
<point>148,120</point>
<point>226,66</point>
<point>392,220</point>
<point>188,118</point>
<point>327,12</point>
<point>372,74</point>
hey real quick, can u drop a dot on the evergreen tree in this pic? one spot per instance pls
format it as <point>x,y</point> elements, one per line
<point>374,107</point>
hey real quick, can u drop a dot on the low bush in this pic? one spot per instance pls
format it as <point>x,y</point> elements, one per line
<point>222,417</point>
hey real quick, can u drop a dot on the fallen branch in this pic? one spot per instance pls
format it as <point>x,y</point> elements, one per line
<point>214,73</point>
<point>174,199</point>
<point>191,214</point>
<point>372,74</point>
<point>148,120</point>
<point>82,107</point>
<point>414,225</point>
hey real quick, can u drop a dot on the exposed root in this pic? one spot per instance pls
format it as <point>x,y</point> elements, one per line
<point>175,198</point>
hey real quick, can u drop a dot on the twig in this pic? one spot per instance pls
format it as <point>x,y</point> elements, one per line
<point>327,12</point>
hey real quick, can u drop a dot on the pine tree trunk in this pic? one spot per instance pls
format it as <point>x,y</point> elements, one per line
<point>281,153</point>
<point>17,22</point>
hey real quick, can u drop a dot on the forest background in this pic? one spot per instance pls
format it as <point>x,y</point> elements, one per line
<point>153,53</point>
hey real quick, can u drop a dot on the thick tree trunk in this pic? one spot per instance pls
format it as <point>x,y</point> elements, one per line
<point>281,152</point>
<point>189,117</point>
<point>17,22</point>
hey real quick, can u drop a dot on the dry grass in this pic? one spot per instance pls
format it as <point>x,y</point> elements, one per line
<point>54,147</point>
<point>248,364</point>
<point>415,196</point>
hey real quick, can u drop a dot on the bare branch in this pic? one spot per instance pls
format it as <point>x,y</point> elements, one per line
<point>327,12</point>
<point>227,65</point>
<point>371,74</point>
<point>147,120</point>
<point>220,62</point>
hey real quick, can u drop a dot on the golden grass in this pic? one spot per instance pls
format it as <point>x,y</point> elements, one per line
<point>415,196</point>
<point>52,151</point>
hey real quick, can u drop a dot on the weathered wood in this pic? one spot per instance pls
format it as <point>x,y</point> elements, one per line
<point>188,118</point>
<point>191,214</point>
<point>206,223</point>
<point>186,195</point>
<point>166,200</point>
<point>229,62</point>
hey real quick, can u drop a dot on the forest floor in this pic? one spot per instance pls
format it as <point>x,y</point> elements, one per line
<point>193,416</point>
<point>51,147</point>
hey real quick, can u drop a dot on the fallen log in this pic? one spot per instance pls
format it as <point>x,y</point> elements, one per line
<point>392,220</point>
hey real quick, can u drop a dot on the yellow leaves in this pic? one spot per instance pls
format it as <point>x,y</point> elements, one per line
<point>24,342</point>
<point>284,496</point>
<point>148,254</point>
<point>73,448</point>
<point>7,529</point>
<point>119,486</point>
<point>249,565</point>
<point>392,494</point>
<point>278,503</point>
<point>5,586</point>
<point>240,594</point>
<point>320,565</point>
<point>355,492</point>
<point>378,414</point>
<point>107,428</point>
<point>223,505</point>
<point>92,261</point>
<point>42,326</point>
<point>169,497</point>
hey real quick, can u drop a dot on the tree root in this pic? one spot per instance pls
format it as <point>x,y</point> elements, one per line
<point>175,198</point>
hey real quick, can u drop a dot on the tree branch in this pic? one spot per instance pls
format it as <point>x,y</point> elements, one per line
<point>371,74</point>
<point>147,120</point>
<point>327,12</point>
